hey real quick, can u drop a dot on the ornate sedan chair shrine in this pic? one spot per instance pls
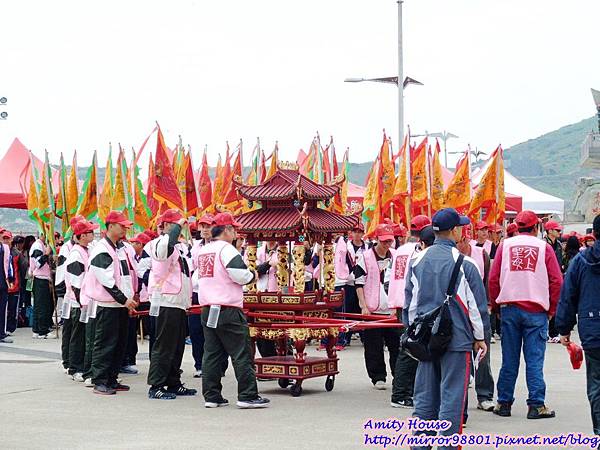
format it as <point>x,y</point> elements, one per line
<point>290,214</point>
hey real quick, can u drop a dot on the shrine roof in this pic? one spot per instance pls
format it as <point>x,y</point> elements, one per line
<point>285,184</point>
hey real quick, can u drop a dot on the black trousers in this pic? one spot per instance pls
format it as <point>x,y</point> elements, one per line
<point>110,340</point>
<point>374,341</point>
<point>404,371</point>
<point>168,348</point>
<point>12,312</point>
<point>66,339</point>
<point>90,335</point>
<point>43,306</point>
<point>592,372</point>
<point>76,343</point>
<point>3,308</point>
<point>229,338</point>
<point>129,359</point>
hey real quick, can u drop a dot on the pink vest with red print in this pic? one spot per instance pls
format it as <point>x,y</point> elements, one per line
<point>372,282</point>
<point>91,288</point>
<point>215,287</point>
<point>400,259</point>
<point>84,257</point>
<point>339,260</point>
<point>523,275</point>
<point>268,281</point>
<point>166,274</point>
<point>477,255</point>
<point>6,261</point>
<point>487,246</point>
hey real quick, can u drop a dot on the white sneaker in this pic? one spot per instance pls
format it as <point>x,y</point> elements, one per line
<point>88,382</point>
<point>8,333</point>
<point>198,374</point>
<point>380,385</point>
<point>492,340</point>
<point>6,340</point>
<point>35,336</point>
<point>471,380</point>
<point>65,371</point>
<point>486,405</point>
<point>78,376</point>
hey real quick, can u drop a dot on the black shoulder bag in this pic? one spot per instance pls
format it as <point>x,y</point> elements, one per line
<point>428,337</point>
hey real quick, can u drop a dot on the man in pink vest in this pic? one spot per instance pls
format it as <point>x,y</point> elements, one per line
<point>369,279</point>
<point>525,284</point>
<point>75,267</point>
<point>170,284</point>
<point>406,366</point>
<point>482,230</point>
<point>221,275</point>
<point>108,283</point>
<point>43,305</point>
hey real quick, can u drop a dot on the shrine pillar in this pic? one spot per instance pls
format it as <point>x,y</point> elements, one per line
<point>328,266</point>
<point>283,276</point>
<point>298,255</point>
<point>251,258</point>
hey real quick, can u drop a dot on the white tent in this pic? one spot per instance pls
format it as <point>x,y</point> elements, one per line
<point>533,200</point>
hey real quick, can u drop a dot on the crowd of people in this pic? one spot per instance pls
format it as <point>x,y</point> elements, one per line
<point>525,285</point>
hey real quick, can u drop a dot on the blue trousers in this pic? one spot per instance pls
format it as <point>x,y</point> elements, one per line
<point>529,331</point>
<point>440,388</point>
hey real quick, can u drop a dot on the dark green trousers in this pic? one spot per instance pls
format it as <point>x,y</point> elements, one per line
<point>229,338</point>
<point>66,338</point>
<point>43,306</point>
<point>90,334</point>
<point>76,343</point>
<point>168,348</point>
<point>109,344</point>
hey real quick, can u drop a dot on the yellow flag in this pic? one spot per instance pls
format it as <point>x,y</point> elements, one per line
<point>274,161</point>
<point>72,188</point>
<point>118,193</point>
<point>105,200</point>
<point>370,200</point>
<point>386,172</point>
<point>33,194</point>
<point>87,206</point>
<point>490,192</point>
<point>437,180</point>
<point>458,194</point>
<point>419,172</point>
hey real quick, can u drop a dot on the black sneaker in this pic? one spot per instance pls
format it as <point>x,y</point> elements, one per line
<point>216,404</point>
<point>540,412</point>
<point>406,403</point>
<point>182,391</point>
<point>258,402</point>
<point>103,389</point>
<point>161,394</point>
<point>120,387</point>
<point>502,410</point>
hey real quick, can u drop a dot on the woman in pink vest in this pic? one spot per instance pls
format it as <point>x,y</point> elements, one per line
<point>108,283</point>
<point>525,283</point>
<point>221,275</point>
<point>170,285</point>
<point>369,279</point>
<point>43,305</point>
<point>482,237</point>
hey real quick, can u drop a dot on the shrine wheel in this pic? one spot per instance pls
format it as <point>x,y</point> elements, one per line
<point>329,383</point>
<point>296,390</point>
<point>283,382</point>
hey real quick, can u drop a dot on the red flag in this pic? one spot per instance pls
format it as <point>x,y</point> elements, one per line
<point>326,164</point>
<point>232,198</point>
<point>262,173</point>
<point>204,184</point>
<point>191,193</point>
<point>165,188</point>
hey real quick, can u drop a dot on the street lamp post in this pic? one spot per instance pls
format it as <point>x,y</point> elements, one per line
<point>444,136</point>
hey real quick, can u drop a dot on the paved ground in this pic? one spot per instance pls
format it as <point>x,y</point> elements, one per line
<point>42,408</point>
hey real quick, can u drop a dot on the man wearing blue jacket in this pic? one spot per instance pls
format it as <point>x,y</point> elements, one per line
<point>441,385</point>
<point>580,302</point>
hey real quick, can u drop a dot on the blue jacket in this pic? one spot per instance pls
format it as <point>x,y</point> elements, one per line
<point>580,298</point>
<point>426,284</point>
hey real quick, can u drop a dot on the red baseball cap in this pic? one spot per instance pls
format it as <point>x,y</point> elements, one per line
<point>170,216</point>
<point>119,218</point>
<point>511,228</point>
<point>384,232</point>
<point>151,234</point>
<point>552,225</point>
<point>359,226</point>
<point>7,234</point>
<point>206,219</point>
<point>588,237</point>
<point>526,219</point>
<point>495,228</point>
<point>419,222</point>
<point>575,354</point>
<point>75,219</point>
<point>481,225</point>
<point>141,238</point>
<point>83,226</point>
<point>193,226</point>
<point>224,219</point>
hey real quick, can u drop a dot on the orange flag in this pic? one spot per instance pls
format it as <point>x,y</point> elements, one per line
<point>419,171</point>
<point>490,192</point>
<point>204,184</point>
<point>386,177</point>
<point>458,194</point>
<point>217,192</point>
<point>152,203</point>
<point>191,193</point>
<point>274,161</point>
<point>437,180</point>
<point>165,189</point>
<point>232,199</point>
<point>327,175</point>
<point>262,171</point>
<point>401,196</point>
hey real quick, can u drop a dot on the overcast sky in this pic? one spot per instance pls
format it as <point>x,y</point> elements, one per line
<point>80,74</point>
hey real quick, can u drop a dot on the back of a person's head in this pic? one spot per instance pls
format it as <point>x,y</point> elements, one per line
<point>573,246</point>
<point>596,227</point>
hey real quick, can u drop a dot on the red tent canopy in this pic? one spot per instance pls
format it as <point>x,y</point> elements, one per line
<point>15,170</point>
